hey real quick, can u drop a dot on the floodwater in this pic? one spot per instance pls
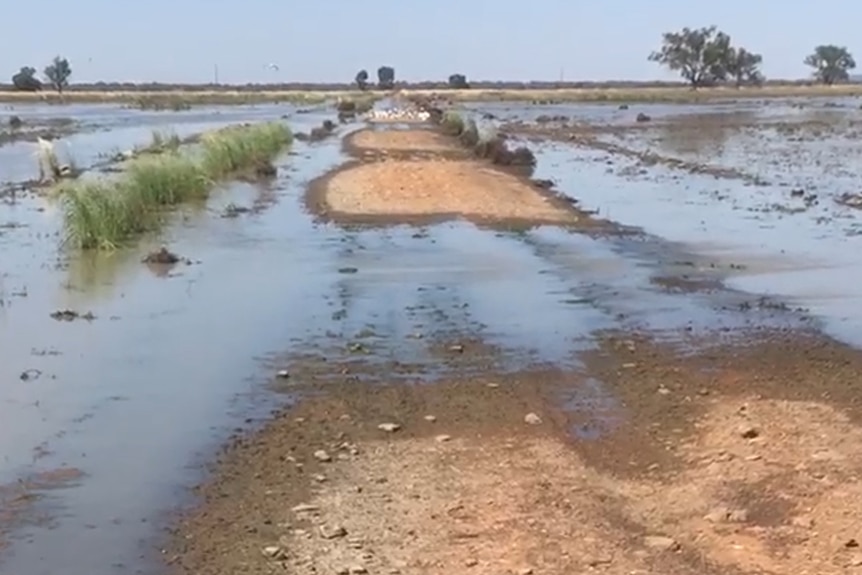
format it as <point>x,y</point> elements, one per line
<point>168,364</point>
<point>794,239</point>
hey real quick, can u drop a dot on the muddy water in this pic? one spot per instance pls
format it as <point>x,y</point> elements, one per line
<point>131,396</point>
<point>794,245</point>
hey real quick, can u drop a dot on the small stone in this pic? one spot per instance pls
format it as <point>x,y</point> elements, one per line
<point>283,374</point>
<point>319,478</point>
<point>856,561</point>
<point>661,543</point>
<point>321,455</point>
<point>525,571</point>
<point>748,432</point>
<point>458,348</point>
<point>390,427</point>
<point>358,569</point>
<point>805,522</point>
<point>471,562</point>
<point>430,418</point>
<point>851,544</point>
<point>663,390</point>
<point>305,508</point>
<point>532,419</point>
<point>443,438</point>
<point>492,385</point>
<point>274,552</point>
<point>738,516</point>
<point>334,532</point>
<point>718,515</point>
<point>343,571</point>
<point>755,457</point>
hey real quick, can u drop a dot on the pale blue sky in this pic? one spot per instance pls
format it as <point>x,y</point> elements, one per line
<point>329,40</point>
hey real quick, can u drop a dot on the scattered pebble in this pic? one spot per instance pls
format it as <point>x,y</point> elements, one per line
<point>443,438</point>
<point>471,562</point>
<point>748,432</point>
<point>390,427</point>
<point>532,419</point>
<point>430,418</point>
<point>333,532</point>
<point>661,543</point>
<point>274,552</point>
<point>283,374</point>
<point>305,508</point>
<point>321,455</point>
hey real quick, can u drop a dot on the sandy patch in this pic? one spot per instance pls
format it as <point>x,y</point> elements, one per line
<point>439,187</point>
<point>401,140</point>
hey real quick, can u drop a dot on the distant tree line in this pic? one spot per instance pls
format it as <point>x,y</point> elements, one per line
<point>56,75</point>
<point>702,57</point>
<point>707,57</point>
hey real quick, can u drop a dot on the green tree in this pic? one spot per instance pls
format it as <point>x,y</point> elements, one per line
<point>458,82</point>
<point>744,67</point>
<point>58,72</point>
<point>26,80</point>
<point>699,55</point>
<point>386,77</point>
<point>362,79</point>
<point>831,63</point>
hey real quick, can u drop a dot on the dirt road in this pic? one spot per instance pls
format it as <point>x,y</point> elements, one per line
<point>721,455</point>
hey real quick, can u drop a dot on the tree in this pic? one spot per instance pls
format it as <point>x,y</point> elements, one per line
<point>744,66</point>
<point>362,79</point>
<point>458,82</point>
<point>700,56</point>
<point>831,63</point>
<point>58,72</point>
<point>26,80</point>
<point>386,77</point>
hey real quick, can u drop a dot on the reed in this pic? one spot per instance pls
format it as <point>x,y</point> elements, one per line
<point>106,214</point>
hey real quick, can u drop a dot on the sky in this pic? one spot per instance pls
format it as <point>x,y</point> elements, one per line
<point>182,41</point>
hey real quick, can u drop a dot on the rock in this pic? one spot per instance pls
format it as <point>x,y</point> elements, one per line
<point>738,516</point>
<point>274,552</point>
<point>390,427</point>
<point>661,543</point>
<point>641,117</point>
<point>305,508</point>
<point>717,515</point>
<point>443,438</point>
<point>358,569</point>
<point>525,571</point>
<point>321,455</point>
<point>748,431</point>
<point>319,478</point>
<point>343,571</point>
<point>492,385</point>
<point>471,562</point>
<point>334,532</point>
<point>283,374</point>
<point>458,348</point>
<point>430,418</point>
<point>663,390</point>
<point>532,419</point>
<point>805,522</point>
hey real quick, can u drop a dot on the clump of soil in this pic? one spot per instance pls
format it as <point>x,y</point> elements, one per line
<point>162,256</point>
<point>71,315</point>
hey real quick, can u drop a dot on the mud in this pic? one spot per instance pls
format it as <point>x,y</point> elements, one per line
<point>732,461</point>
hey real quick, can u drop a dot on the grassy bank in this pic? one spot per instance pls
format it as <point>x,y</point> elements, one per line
<point>107,214</point>
<point>489,146</point>
<point>675,94</point>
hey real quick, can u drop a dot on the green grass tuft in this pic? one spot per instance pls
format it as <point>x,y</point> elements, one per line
<point>105,215</point>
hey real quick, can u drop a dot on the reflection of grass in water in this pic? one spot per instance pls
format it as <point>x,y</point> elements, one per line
<point>92,274</point>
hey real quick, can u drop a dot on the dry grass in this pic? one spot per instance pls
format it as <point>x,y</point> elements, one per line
<point>640,94</point>
<point>178,99</point>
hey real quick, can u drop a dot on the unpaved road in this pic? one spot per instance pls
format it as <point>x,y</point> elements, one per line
<point>720,455</point>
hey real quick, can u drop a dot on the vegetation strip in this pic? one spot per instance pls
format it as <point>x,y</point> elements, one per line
<point>104,215</point>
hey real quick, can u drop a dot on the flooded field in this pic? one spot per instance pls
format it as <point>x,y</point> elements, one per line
<point>611,358</point>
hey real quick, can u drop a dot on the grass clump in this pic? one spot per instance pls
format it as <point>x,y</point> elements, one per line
<point>243,148</point>
<point>491,146</point>
<point>104,215</point>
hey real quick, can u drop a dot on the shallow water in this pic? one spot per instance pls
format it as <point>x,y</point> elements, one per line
<point>801,254</point>
<point>134,395</point>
